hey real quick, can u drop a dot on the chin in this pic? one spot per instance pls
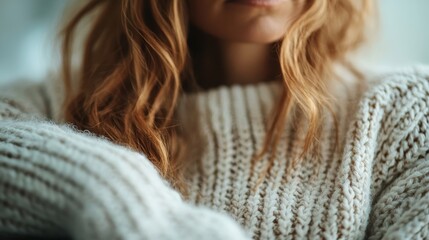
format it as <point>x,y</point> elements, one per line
<point>257,21</point>
<point>259,33</point>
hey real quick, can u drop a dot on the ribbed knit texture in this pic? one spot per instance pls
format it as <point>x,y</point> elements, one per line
<point>56,181</point>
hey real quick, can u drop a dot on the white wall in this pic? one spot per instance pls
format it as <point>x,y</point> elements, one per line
<point>404,34</point>
<point>27,33</point>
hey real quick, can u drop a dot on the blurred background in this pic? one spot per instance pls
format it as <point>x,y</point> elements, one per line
<point>28,30</point>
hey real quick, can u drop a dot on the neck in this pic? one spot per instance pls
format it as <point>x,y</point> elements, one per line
<point>219,62</point>
<point>246,63</point>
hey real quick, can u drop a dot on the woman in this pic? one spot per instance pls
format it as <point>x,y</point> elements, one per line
<point>211,119</point>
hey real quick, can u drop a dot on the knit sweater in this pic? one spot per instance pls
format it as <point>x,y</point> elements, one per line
<point>56,181</point>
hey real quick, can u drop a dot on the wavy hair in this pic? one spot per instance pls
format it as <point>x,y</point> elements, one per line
<point>136,56</point>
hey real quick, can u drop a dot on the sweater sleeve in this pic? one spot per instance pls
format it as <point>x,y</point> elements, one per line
<point>57,181</point>
<point>401,175</point>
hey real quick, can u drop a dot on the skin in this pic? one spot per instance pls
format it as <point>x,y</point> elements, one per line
<point>244,35</point>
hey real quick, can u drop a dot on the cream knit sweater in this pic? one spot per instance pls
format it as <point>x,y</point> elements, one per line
<point>56,181</point>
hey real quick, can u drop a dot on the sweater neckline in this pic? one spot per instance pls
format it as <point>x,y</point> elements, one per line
<point>226,107</point>
<point>233,87</point>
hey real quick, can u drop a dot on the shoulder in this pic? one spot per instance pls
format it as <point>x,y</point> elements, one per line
<point>394,113</point>
<point>398,101</point>
<point>400,83</point>
<point>22,96</point>
<point>404,89</point>
<point>40,98</point>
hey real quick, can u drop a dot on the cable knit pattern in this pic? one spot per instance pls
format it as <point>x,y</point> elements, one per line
<point>55,180</point>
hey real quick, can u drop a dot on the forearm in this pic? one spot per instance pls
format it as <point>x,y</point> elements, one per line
<point>58,181</point>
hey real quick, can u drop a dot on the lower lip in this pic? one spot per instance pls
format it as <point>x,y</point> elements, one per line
<point>257,3</point>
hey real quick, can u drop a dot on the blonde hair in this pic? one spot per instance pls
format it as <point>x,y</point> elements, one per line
<point>136,56</point>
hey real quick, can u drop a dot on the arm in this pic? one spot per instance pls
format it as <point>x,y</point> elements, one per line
<point>400,207</point>
<point>58,181</point>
